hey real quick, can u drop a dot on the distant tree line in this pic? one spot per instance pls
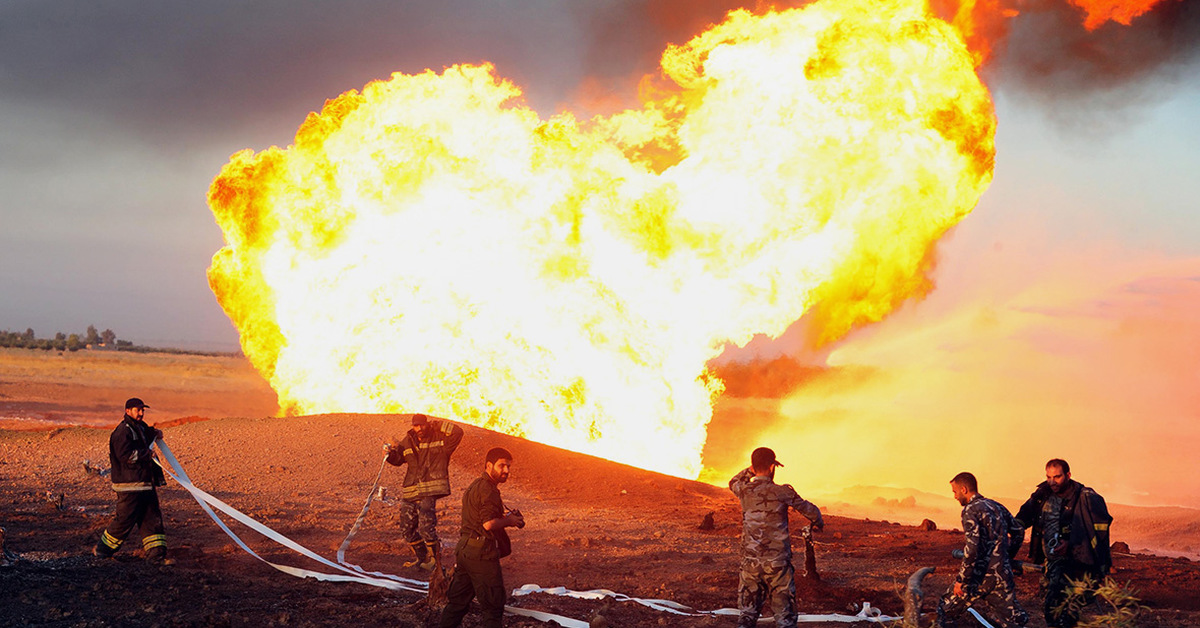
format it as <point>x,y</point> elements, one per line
<point>91,339</point>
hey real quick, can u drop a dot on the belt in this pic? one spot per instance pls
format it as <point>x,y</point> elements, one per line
<point>476,541</point>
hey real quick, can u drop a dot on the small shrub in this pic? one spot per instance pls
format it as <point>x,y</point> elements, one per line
<point>1117,603</point>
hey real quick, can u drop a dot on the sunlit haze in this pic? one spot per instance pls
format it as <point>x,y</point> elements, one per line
<point>568,278</point>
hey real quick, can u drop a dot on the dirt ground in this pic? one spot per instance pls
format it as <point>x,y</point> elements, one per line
<point>592,524</point>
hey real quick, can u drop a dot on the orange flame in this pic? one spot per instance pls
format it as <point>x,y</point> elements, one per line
<point>982,24</point>
<point>1120,11</point>
<point>431,244</point>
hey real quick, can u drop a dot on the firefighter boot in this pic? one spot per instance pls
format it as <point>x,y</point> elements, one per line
<point>435,559</point>
<point>106,546</point>
<point>418,548</point>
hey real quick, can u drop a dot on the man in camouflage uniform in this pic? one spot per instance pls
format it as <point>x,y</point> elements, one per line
<point>1071,533</point>
<point>426,449</point>
<point>986,576</point>
<point>767,570</point>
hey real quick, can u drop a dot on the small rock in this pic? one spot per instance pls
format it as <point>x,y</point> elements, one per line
<point>55,500</point>
<point>708,523</point>
<point>1121,547</point>
<point>599,621</point>
<point>928,525</point>
<point>6,557</point>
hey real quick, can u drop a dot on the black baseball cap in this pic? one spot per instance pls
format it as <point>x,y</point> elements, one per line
<point>134,402</point>
<point>763,457</point>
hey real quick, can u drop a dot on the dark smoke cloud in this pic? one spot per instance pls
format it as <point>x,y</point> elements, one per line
<point>162,69</point>
<point>1049,55</point>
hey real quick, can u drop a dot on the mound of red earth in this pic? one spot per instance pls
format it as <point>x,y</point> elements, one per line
<point>592,524</point>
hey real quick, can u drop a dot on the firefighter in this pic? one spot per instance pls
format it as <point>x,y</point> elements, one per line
<point>1070,534</point>
<point>135,478</point>
<point>426,449</point>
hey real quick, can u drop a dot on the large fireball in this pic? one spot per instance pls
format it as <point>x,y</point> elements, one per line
<point>431,244</point>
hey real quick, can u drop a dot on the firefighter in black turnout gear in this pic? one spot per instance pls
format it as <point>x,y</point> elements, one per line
<point>426,449</point>
<point>1070,534</point>
<point>135,476</point>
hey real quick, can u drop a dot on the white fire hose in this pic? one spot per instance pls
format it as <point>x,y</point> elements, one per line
<point>354,573</point>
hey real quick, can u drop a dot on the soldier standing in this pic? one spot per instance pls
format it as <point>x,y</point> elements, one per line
<point>135,476</point>
<point>1071,532</point>
<point>426,449</point>
<point>986,576</point>
<point>483,542</point>
<point>767,570</point>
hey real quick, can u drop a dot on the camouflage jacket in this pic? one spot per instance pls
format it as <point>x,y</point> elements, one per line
<point>765,535</point>
<point>991,534</point>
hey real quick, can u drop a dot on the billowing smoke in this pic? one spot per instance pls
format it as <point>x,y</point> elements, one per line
<point>1051,53</point>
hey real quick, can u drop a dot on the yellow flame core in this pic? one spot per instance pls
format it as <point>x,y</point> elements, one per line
<point>431,244</point>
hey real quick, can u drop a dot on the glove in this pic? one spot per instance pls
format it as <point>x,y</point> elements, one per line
<point>158,434</point>
<point>819,525</point>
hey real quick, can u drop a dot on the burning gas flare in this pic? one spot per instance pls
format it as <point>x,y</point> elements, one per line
<point>431,244</point>
<point>1123,12</point>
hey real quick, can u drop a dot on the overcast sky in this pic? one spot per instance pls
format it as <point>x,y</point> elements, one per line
<point>116,115</point>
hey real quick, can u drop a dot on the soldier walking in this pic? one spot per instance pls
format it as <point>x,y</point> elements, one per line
<point>1071,533</point>
<point>986,576</point>
<point>767,571</point>
<point>426,449</point>
<point>483,542</point>
<point>135,476</point>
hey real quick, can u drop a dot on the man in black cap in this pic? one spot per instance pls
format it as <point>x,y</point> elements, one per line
<point>767,570</point>
<point>135,476</point>
<point>426,449</point>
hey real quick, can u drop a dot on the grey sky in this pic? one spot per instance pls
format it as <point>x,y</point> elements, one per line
<point>116,115</point>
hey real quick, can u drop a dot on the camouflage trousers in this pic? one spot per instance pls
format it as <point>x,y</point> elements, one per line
<point>995,600</point>
<point>759,582</point>
<point>1055,584</point>
<point>418,520</point>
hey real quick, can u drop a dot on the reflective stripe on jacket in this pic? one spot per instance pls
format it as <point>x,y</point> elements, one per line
<point>129,453</point>
<point>428,473</point>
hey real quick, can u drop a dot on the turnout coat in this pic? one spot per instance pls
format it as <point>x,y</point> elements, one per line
<point>428,461</point>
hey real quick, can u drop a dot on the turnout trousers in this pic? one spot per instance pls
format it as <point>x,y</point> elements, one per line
<point>480,579</point>
<point>759,582</point>
<point>135,509</point>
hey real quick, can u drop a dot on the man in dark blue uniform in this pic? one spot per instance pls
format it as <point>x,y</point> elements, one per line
<point>985,578</point>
